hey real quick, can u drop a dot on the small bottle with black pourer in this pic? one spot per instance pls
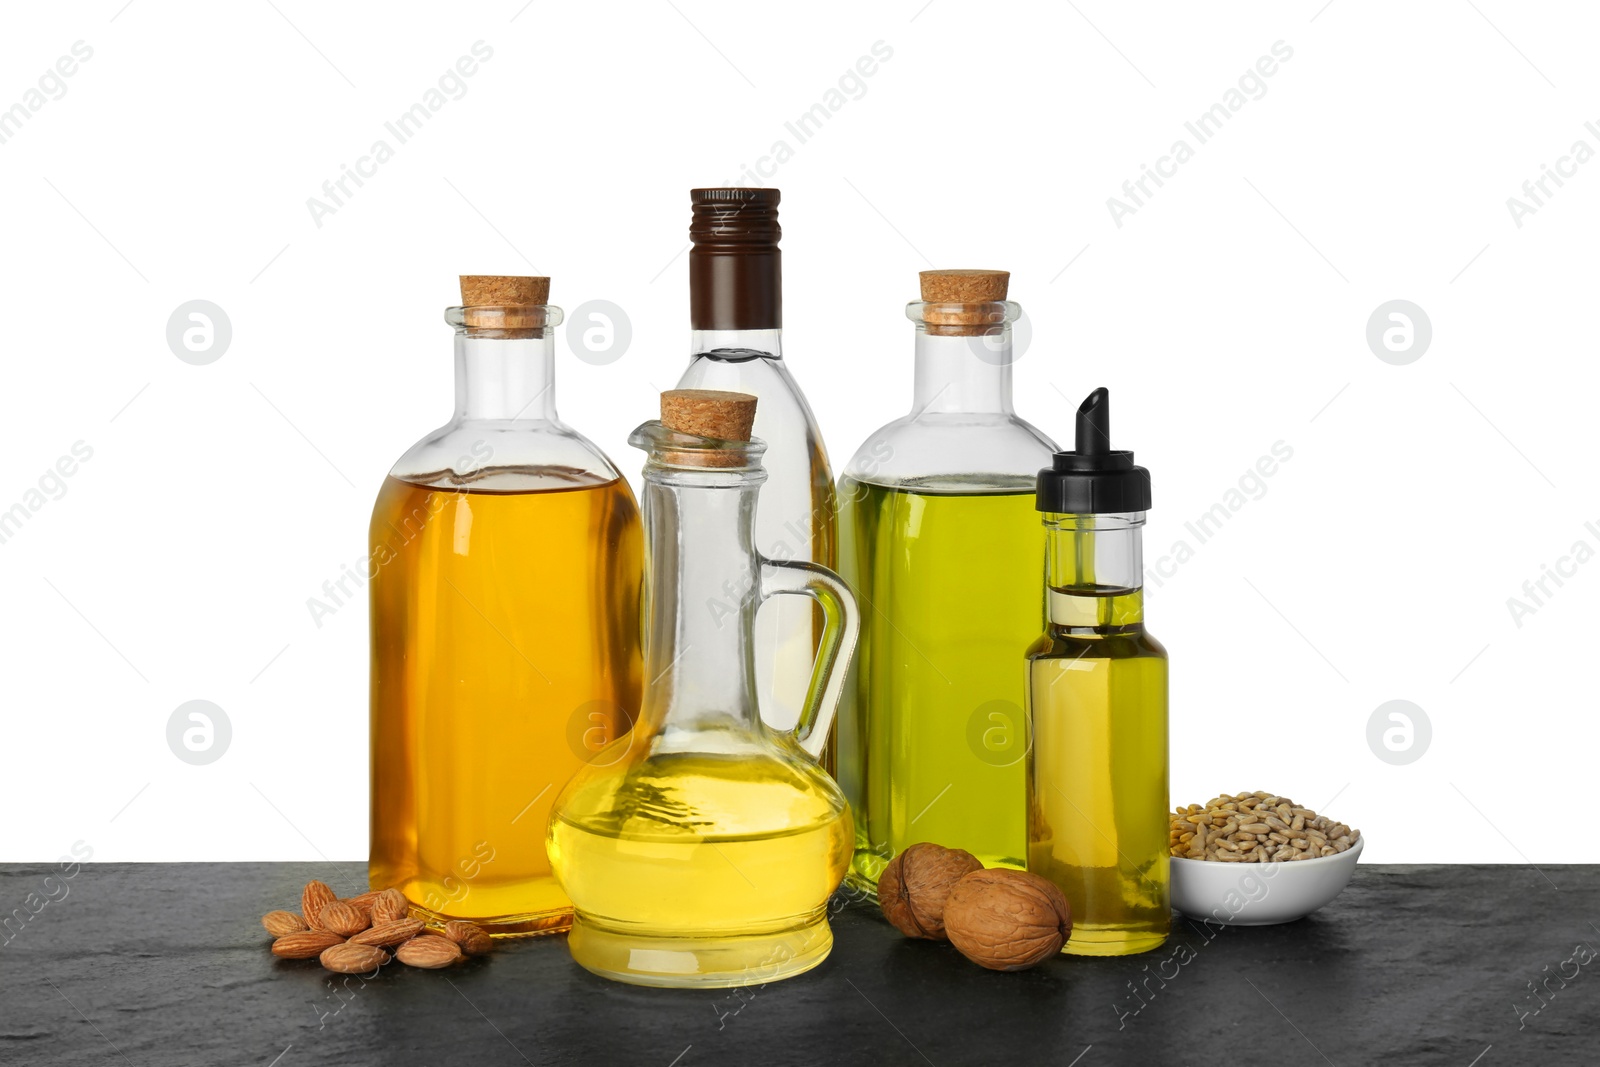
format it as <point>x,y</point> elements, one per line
<point>1097,701</point>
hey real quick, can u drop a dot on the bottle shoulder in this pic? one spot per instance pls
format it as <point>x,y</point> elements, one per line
<point>783,416</point>
<point>760,374</point>
<point>963,448</point>
<point>1057,643</point>
<point>519,455</point>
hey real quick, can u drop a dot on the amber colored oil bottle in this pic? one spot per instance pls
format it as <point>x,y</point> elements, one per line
<point>506,559</point>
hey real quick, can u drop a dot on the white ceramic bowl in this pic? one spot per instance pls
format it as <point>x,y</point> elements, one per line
<point>1259,894</point>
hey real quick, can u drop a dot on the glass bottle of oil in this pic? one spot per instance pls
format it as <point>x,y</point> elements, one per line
<point>701,849</point>
<point>736,343</point>
<point>506,556</point>
<point>939,541</point>
<point>1097,700</point>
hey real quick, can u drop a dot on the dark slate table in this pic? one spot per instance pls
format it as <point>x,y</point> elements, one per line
<point>166,964</point>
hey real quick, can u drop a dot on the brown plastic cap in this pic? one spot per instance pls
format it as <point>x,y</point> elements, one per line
<point>964,286</point>
<point>735,268</point>
<point>708,413</point>
<point>501,290</point>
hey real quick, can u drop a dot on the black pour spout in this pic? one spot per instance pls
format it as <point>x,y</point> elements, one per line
<point>1093,478</point>
<point>1094,423</point>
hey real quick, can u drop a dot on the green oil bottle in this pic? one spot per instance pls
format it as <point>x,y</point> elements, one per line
<point>940,543</point>
<point>1097,702</point>
<point>948,583</point>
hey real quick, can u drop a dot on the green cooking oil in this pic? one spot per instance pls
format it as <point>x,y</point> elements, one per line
<point>932,735</point>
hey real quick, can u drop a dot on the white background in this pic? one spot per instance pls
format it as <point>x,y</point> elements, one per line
<point>1228,313</point>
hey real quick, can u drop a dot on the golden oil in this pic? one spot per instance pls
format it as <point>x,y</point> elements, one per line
<point>722,863</point>
<point>701,849</point>
<point>505,651</point>
<point>1098,774</point>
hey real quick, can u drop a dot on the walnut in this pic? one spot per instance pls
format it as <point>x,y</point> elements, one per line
<point>912,889</point>
<point>1007,920</point>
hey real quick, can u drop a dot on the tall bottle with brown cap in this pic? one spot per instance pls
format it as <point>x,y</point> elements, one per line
<point>939,541</point>
<point>701,849</point>
<point>506,556</point>
<point>736,343</point>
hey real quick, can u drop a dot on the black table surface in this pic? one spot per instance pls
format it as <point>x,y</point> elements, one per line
<point>167,964</point>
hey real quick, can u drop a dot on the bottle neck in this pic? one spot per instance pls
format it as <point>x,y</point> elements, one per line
<point>736,282</point>
<point>737,344</point>
<point>963,372</point>
<point>702,582</point>
<point>505,377</point>
<point>1094,568</point>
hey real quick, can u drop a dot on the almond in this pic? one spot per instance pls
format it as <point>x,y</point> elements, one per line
<point>429,951</point>
<point>363,900</point>
<point>389,905</point>
<point>313,899</point>
<point>471,937</point>
<point>351,958</point>
<point>389,934</point>
<point>305,945</point>
<point>279,923</point>
<point>344,919</point>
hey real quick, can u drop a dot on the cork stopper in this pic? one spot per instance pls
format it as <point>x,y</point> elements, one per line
<point>964,286</point>
<point>963,302</point>
<point>508,305</point>
<point>498,290</point>
<point>708,413</point>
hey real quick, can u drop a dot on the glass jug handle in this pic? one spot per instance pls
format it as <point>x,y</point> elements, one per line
<point>841,627</point>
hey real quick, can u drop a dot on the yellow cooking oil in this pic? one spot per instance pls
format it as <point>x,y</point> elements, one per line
<point>932,735</point>
<point>505,651</point>
<point>1098,787</point>
<point>722,860</point>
